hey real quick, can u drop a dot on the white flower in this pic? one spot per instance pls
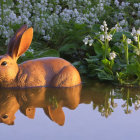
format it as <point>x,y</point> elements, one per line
<point>133,31</point>
<point>116,2</point>
<point>138,31</point>
<point>104,23</point>
<point>112,55</point>
<point>90,42</point>
<point>136,38</point>
<point>108,37</point>
<point>102,38</point>
<point>47,37</point>
<point>85,40</point>
<point>136,5</point>
<point>102,27</point>
<point>128,40</point>
<point>137,51</point>
<point>31,50</point>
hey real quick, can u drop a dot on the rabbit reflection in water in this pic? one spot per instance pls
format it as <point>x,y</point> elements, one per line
<point>48,71</point>
<point>51,100</point>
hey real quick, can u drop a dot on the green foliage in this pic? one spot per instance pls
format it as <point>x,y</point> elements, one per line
<point>119,63</point>
<point>30,55</point>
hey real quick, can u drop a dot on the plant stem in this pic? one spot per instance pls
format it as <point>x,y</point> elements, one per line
<point>127,99</point>
<point>2,16</point>
<point>126,55</point>
<point>138,42</point>
<point>106,47</point>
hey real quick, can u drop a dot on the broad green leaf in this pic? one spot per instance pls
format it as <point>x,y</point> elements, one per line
<point>68,47</point>
<point>51,52</point>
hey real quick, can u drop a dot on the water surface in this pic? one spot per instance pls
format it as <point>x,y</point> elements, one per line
<point>92,111</point>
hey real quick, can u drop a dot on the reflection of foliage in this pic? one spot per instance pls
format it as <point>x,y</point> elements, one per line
<point>105,102</point>
<point>53,102</point>
<point>131,100</point>
<point>137,104</point>
<point>127,103</point>
<point>107,107</point>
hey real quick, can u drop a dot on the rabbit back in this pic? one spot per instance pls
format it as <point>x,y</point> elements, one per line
<point>49,71</point>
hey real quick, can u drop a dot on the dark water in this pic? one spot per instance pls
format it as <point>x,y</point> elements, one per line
<point>93,111</point>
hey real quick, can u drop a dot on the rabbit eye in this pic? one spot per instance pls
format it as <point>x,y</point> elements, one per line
<point>4,63</point>
<point>5,116</point>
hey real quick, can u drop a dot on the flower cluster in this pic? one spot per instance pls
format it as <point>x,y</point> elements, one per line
<point>112,55</point>
<point>106,35</point>
<point>44,15</point>
<point>135,33</point>
<point>88,40</point>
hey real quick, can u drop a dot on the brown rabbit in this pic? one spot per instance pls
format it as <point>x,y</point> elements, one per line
<point>48,71</point>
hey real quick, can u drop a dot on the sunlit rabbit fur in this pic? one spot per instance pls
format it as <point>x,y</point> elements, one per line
<point>48,71</point>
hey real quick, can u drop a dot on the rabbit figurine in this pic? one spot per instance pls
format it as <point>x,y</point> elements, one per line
<point>47,71</point>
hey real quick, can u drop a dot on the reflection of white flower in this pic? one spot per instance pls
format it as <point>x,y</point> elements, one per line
<point>128,111</point>
<point>136,107</point>
<point>128,40</point>
<point>112,55</point>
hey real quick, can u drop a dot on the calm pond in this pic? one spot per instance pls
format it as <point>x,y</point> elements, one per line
<point>92,111</point>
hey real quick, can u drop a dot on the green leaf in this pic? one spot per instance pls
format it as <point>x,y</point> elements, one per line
<point>77,63</point>
<point>98,49</point>
<point>82,69</point>
<point>68,47</point>
<point>118,36</point>
<point>79,26</point>
<point>51,53</point>
<point>130,102</point>
<point>105,76</point>
<point>96,28</point>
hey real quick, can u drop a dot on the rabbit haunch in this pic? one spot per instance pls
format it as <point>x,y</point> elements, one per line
<point>48,71</point>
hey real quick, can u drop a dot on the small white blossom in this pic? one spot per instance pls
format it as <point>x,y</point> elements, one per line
<point>102,27</point>
<point>90,42</point>
<point>133,31</point>
<point>136,38</point>
<point>138,31</point>
<point>104,23</point>
<point>116,2</point>
<point>112,55</point>
<point>136,5</point>
<point>108,37</point>
<point>31,50</point>
<point>137,51</point>
<point>102,38</point>
<point>128,40</point>
<point>85,40</point>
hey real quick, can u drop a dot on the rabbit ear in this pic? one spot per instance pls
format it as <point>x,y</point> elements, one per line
<point>57,115</point>
<point>15,38</point>
<point>30,112</point>
<point>20,42</point>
